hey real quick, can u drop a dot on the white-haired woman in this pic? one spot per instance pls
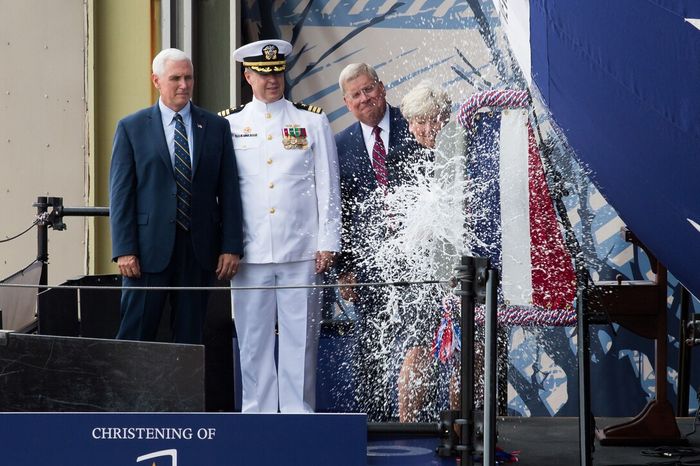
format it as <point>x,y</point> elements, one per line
<point>437,172</point>
<point>427,109</point>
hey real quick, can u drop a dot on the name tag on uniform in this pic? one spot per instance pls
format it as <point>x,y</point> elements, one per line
<point>247,133</point>
<point>294,137</point>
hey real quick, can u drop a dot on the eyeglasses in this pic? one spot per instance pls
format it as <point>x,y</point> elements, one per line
<point>367,91</point>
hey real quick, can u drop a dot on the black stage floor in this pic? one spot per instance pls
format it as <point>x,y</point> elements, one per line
<point>554,441</point>
<point>541,441</point>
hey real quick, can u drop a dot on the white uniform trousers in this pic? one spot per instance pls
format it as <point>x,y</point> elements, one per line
<point>291,385</point>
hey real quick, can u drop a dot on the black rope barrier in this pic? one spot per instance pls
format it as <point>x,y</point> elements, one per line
<point>228,288</point>
<point>20,234</point>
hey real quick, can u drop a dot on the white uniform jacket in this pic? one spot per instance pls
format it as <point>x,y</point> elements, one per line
<point>288,173</point>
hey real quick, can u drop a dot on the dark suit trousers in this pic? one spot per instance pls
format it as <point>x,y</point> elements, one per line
<point>141,310</point>
<point>372,359</point>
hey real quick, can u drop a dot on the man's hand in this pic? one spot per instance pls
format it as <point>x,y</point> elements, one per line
<point>324,260</point>
<point>129,266</point>
<point>347,293</point>
<point>228,266</point>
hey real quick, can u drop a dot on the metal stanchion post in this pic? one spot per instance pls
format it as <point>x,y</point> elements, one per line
<point>54,219</point>
<point>42,245</point>
<point>490,370</point>
<point>466,444</point>
<point>584,383</point>
<point>472,277</point>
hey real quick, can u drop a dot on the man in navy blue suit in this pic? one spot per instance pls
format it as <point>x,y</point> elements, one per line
<point>175,208</point>
<point>370,153</point>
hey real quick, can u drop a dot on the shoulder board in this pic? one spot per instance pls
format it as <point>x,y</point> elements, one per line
<point>308,108</point>
<point>230,111</point>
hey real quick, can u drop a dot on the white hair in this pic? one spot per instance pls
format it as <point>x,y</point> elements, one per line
<point>354,70</point>
<point>425,100</point>
<point>166,55</point>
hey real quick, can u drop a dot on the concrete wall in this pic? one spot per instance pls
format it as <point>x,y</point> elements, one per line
<point>43,129</point>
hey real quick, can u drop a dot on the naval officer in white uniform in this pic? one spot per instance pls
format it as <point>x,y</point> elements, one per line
<point>288,174</point>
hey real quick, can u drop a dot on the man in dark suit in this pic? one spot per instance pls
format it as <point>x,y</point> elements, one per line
<point>175,208</point>
<point>370,154</point>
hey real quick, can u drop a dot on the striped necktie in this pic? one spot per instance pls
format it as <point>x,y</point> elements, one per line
<point>379,159</point>
<point>183,174</point>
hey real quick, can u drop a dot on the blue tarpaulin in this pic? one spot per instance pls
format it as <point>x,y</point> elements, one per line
<point>622,79</point>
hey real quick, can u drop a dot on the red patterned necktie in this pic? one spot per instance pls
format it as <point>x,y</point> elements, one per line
<point>379,159</point>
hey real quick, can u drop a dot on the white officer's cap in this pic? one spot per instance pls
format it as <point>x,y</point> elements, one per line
<point>264,56</point>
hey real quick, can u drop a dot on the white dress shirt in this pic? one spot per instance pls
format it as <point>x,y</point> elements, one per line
<point>385,125</point>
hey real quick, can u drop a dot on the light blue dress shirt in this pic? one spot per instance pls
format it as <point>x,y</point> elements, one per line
<point>168,116</point>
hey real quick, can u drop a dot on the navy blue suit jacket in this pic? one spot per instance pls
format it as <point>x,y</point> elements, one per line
<point>357,179</point>
<point>143,197</point>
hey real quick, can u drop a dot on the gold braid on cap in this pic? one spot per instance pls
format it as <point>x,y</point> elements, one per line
<point>264,63</point>
<point>267,69</point>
